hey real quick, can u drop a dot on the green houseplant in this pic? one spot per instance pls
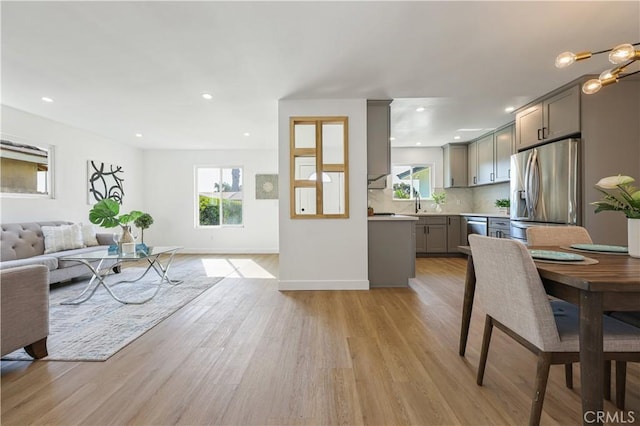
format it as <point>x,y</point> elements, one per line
<point>143,222</point>
<point>503,203</point>
<point>439,198</point>
<point>105,213</point>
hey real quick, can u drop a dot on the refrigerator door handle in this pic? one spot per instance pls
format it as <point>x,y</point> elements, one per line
<point>527,185</point>
<point>535,183</point>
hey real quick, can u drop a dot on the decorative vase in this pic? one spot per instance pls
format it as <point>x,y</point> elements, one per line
<point>438,208</point>
<point>126,234</point>
<point>633,236</point>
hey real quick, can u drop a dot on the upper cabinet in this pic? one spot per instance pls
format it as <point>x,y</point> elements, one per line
<point>378,133</point>
<point>553,118</point>
<point>455,165</point>
<point>490,157</point>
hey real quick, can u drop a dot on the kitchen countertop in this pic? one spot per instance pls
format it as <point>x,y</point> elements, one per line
<point>394,217</point>
<point>499,215</point>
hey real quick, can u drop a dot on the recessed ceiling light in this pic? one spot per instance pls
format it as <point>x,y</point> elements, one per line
<point>46,99</point>
<point>418,143</point>
<point>456,137</point>
<point>392,138</point>
<point>207,96</point>
<point>419,109</point>
<point>138,135</point>
<point>468,130</point>
<point>509,109</point>
<point>247,134</point>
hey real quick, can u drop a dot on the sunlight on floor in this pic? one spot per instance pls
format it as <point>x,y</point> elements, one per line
<point>234,268</point>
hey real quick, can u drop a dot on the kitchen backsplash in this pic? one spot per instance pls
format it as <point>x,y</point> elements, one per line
<point>459,200</point>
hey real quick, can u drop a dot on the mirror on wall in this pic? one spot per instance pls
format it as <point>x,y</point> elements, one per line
<point>25,169</point>
<point>319,167</point>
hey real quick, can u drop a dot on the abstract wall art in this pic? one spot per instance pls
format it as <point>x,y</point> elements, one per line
<point>266,187</point>
<point>104,181</point>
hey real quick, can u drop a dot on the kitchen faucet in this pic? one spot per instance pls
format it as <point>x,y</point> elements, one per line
<point>416,196</point>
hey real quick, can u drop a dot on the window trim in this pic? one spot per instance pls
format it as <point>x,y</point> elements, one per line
<point>431,165</point>
<point>196,209</point>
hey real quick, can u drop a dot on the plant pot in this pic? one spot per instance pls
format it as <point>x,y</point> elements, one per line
<point>633,237</point>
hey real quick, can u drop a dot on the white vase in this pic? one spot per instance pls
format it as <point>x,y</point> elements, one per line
<point>438,208</point>
<point>633,235</point>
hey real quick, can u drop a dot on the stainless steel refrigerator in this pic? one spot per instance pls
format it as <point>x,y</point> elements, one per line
<point>544,187</point>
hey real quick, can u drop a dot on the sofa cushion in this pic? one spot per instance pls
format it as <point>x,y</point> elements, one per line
<point>89,235</point>
<point>50,262</point>
<point>23,240</point>
<point>64,237</point>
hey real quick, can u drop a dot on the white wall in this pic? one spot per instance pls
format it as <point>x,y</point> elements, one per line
<point>73,147</point>
<point>325,254</point>
<point>169,197</point>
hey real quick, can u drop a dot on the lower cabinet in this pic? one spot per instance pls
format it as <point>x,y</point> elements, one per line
<point>499,228</point>
<point>453,234</point>
<point>431,234</point>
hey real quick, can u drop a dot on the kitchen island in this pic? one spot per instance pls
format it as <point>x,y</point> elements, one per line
<point>392,250</point>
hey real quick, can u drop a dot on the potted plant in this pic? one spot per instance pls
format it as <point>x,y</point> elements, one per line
<point>143,222</point>
<point>105,213</point>
<point>503,204</point>
<point>439,198</point>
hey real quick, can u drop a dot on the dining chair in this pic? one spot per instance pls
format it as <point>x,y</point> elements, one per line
<point>514,299</point>
<point>557,235</point>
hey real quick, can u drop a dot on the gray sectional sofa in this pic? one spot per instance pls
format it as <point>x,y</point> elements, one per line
<point>23,244</point>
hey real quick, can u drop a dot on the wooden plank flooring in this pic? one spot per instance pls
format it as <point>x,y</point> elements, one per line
<point>244,353</point>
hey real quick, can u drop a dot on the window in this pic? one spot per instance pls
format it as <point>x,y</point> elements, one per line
<point>319,167</point>
<point>411,182</point>
<point>25,169</point>
<point>219,191</point>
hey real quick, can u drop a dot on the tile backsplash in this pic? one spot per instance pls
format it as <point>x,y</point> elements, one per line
<point>480,199</point>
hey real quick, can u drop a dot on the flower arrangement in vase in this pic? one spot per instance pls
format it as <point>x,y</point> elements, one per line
<point>439,198</point>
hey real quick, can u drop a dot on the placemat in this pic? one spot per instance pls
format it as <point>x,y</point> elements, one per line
<point>592,251</point>
<point>585,261</point>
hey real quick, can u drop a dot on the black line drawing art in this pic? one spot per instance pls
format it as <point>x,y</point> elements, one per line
<point>105,181</point>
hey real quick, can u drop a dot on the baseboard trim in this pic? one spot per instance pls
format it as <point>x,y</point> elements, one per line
<point>295,285</point>
<point>228,251</point>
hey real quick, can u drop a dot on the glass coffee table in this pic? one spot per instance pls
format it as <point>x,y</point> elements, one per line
<point>107,261</point>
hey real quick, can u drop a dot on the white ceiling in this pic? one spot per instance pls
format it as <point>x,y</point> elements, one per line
<point>119,68</point>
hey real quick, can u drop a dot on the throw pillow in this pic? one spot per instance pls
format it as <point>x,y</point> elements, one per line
<point>64,237</point>
<point>89,236</point>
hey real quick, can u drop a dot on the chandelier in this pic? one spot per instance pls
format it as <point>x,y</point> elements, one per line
<point>622,55</point>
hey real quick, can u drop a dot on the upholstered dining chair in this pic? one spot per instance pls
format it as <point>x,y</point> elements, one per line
<point>557,235</point>
<point>513,296</point>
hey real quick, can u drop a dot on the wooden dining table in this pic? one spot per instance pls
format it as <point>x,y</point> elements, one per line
<point>611,284</point>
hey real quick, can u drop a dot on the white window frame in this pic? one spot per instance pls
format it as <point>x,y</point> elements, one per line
<point>430,166</point>
<point>221,210</point>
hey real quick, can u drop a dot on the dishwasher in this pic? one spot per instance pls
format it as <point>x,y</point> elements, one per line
<point>476,225</point>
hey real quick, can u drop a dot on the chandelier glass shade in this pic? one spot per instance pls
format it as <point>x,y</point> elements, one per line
<point>622,55</point>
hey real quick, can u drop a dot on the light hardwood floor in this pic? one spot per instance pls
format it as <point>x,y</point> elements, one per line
<point>244,353</point>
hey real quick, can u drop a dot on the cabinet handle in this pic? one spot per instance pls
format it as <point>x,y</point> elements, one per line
<point>427,229</point>
<point>539,136</point>
<point>509,173</point>
<point>545,133</point>
<point>491,177</point>
<point>475,180</point>
<point>449,220</point>
<point>451,181</point>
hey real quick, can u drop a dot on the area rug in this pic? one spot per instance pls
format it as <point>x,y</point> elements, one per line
<point>98,328</point>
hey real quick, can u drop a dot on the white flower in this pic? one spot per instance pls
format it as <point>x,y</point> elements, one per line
<point>612,182</point>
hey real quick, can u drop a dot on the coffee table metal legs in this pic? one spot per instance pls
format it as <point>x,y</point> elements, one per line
<point>154,263</point>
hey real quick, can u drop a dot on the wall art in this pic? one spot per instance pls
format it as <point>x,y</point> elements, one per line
<point>266,187</point>
<point>104,181</point>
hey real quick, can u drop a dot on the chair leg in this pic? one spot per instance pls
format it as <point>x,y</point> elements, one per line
<point>486,339</point>
<point>621,381</point>
<point>542,375</point>
<point>606,392</point>
<point>568,375</point>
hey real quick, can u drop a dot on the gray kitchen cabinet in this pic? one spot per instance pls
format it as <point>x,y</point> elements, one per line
<point>455,165</point>
<point>391,253</point>
<point>472,171</point>
<point>499,227</point>
<point>553,118</point>
<point>504,144</point>
<point>431,234</point>
<point>485,160</point>
<point>378,144</point>
<point>453,234</point>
